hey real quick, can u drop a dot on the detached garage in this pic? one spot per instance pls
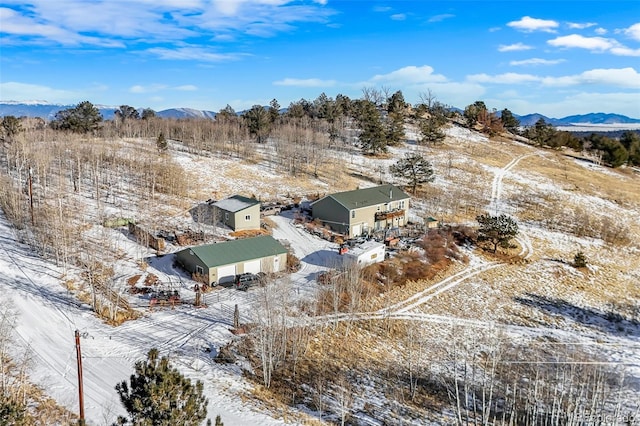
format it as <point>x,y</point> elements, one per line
<point>220,262</point>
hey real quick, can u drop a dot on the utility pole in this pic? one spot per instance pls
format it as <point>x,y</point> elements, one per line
<point>80,392</point>
<point>31,194</point>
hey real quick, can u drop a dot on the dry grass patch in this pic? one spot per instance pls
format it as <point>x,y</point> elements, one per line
<point>610,184</point>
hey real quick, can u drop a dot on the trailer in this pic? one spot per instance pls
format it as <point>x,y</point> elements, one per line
<point>365,254</point>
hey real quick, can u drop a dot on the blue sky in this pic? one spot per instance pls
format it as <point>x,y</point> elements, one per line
<point>557,58</point>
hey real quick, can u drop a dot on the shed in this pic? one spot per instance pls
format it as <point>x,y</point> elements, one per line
<point>220,262</point>
<point>366,253</point>
<point>238,213</point>
<point>432,222</point>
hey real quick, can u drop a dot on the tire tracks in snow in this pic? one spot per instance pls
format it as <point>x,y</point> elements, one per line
<point>401,310</point>
<point>496,195</point>
<point>496,184</point>
<point>436,289</point>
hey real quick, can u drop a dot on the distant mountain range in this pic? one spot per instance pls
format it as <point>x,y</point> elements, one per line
<point>591,118</point>
<point>48,111</point>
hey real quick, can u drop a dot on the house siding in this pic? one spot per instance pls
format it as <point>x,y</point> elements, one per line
<point>358,221</point>
<point>333,214</point>
<point>236,220</point>
<point>189,262</point>
<point>263,249</point>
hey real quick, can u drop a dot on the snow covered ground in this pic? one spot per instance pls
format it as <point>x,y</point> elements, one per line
<point>49,316</point>
<point>191,337</point>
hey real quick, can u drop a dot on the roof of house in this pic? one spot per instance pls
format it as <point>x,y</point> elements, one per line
<point>366,247</point>
<point>228,252</point>
<point>367,197</point>
<point>236,203</point>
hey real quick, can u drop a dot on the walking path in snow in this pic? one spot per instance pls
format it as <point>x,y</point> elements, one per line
<point>496,184</point>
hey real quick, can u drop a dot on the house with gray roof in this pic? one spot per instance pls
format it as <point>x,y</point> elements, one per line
<point>363,211</point>
<point>238,213</point>
<point>220,262</point>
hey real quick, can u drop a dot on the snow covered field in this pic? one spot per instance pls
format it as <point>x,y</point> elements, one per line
<point>191,337</point>
<point>49,316</point>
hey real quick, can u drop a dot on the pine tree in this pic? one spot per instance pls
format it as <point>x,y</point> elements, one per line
<point>126,112</point>
<point>415,169</point>
<point>10,127</point>
<point>432,117</point>
<point>161,143</point>
<point>274,111</point>
<point>579,260</point>
<point>159,395</point>
<point>372,134</point>
<point>473,112</point>
<point>496,230</point>
<point>148,114</point>
<point>258,122</point>
<point>395,128</point>
<point>83,118</point>
<point>219,421</point>
<point>511,123</point>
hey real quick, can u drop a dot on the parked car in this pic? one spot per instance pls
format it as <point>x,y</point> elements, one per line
<point>246,280</point>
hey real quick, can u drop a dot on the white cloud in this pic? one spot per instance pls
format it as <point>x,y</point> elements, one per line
<point>399,17</point>
<point>14,24</point>
<point>625,51</point>
<point>409,75</point>
<point>619,77</point>
<point>574,103</point>
<point>186,88</point>
<point>21,91</point>
<point>382,9</point>
<point>442,17</point>
<point>152,88</point>
<point>529,24</point>
<point>590,43</point>
<point>633,31</point>
<point>600,31</point>
<point>506,78</point>
<point>581,25</point>
<point>114,23</point>
<point>513,47</point>
<point>309,82</point>
<point>537,61</point>
<point>191,54</point>
<point>597,44</point>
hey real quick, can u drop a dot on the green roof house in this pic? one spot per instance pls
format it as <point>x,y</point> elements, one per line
<point>220,262</point>
<point>362,211</point>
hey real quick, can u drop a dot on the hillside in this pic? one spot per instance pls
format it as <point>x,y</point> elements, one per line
<point>383,353</point>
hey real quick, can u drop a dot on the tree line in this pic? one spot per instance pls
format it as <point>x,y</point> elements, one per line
<point>379,116</point>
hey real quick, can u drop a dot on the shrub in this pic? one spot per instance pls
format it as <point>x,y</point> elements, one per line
<point>579,260</point>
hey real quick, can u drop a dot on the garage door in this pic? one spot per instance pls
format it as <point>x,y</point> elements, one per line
<point>226,273</point>
<point>252,266</point>
<point>356,230</point>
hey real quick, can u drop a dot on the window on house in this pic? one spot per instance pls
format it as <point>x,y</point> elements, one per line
<point>199,270</point>
<point>247,217</point>
<point>402,204</point>
<point>353,214</point>
<point>378,207</point>
<point>226,216</point>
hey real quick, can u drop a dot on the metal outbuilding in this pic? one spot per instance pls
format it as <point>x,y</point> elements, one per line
<point>220,262</point>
